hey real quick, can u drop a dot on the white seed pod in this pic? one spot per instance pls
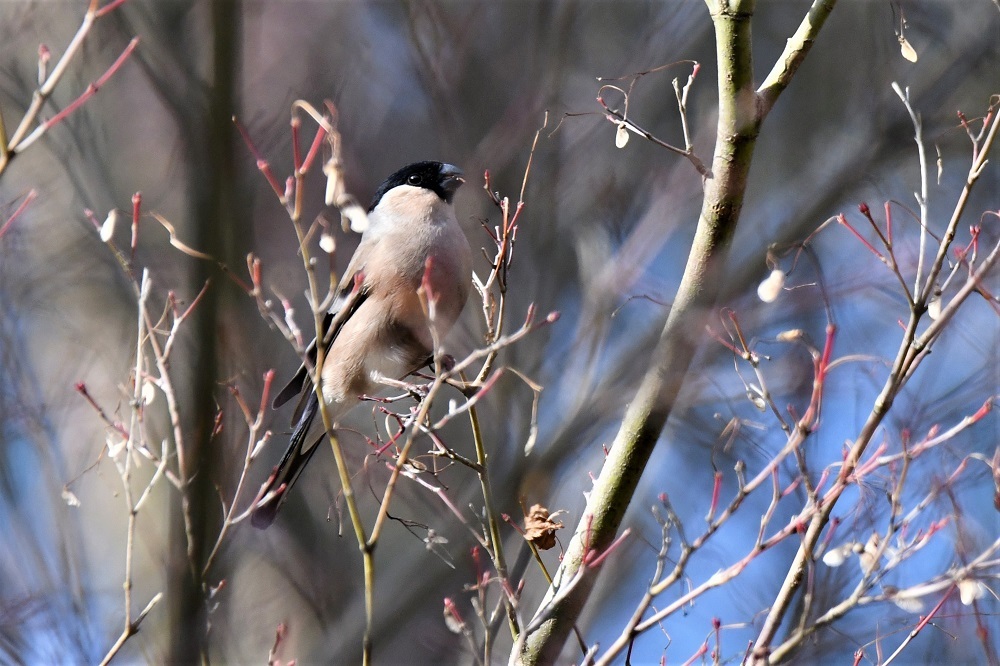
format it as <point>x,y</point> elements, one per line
<point>969,590</point>
<point>327,243</point>
<point>867,554</point>
<point>791,335</point>
<point>621,136</point>
<point>934,308</point>
<point>148,392</point>
<point>108,228</point>
<point>453,621</point>
<point>837,556</point>
<point>770,288</point>
<point>907,49</point>
<point>70,497</point>
<point>115,443</point>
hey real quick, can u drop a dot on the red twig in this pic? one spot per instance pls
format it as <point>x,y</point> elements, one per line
<point>888,222</point>
<point>716,491</point>
<point>265,394</point>
<point>871,248</point>
<point>820,365</point>
<point>703,650</point>
<point>32,194</point>
<point>262,164</point>
<point>923,623</point>
<point>110,7</point>
<point>136,208</point>
<point>89,92</point>
<point>593,560</point>
<point>313,149</point>
<point>81,388</point>
<point>296,151</point>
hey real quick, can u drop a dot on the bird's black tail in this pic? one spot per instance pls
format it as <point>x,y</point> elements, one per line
<point>275,490</point>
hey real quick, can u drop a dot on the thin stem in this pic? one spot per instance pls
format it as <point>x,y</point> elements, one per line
<point>979,162</point>
<point>135,429</point>
<point>620,119</point>
<point>13,145</point>
<point>918,136</point>
<point>796,50</point>
<point>497,552</point>
<point>125,472</point>
<point>161,359</point>
<point>916,630</point>
<point>88,92</point>
<point>401,459</point>
<point>130,630</point>
<point>295,213</point>
<point>254,424</point>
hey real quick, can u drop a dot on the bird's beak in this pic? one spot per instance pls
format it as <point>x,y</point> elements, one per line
<point>451,178</point>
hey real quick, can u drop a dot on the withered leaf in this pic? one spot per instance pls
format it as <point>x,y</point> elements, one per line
<point>539,528</point>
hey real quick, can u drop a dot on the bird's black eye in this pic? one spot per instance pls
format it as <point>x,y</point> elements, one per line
<point>414,179</point>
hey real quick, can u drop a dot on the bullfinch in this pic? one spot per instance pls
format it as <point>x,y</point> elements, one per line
<point>377,330</point>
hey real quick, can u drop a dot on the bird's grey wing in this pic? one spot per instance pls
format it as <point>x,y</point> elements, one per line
<point>343,309</point>
<point>300,449</point>
<point>349,297</point>
<point>298,380</point>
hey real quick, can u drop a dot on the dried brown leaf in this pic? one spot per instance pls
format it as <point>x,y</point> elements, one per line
<point>539,528</point>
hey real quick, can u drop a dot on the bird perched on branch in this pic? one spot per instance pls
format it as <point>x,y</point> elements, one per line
<point>377,330</point>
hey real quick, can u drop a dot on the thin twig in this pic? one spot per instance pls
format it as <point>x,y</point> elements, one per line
<point>16,143</point>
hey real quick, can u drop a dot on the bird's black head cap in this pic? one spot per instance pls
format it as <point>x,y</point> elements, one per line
<point>442,179</point>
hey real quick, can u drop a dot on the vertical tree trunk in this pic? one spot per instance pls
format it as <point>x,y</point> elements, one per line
<point>212,216</point>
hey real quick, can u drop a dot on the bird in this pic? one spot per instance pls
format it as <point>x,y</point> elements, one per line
<point>377,331</point>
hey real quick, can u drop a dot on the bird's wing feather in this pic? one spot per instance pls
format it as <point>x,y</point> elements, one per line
<point>298,380</point>
<point>275,490</point>
<point>350,297</point>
